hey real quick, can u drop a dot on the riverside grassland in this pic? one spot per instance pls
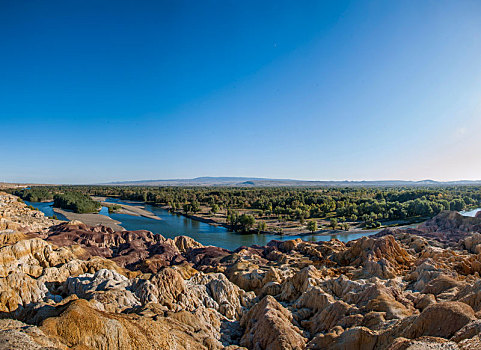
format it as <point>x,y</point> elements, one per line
<point>281,210</point>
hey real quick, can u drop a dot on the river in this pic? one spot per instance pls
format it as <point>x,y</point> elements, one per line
<point>46,208</point>
<point>471,213</point>
<point>172,225</point>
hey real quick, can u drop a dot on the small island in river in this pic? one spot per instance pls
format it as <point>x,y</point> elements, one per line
<point>121,208</point>
<point>98,218</point>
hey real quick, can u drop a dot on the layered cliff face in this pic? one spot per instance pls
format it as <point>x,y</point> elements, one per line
<point>16,216</point>
<point>71,286</point>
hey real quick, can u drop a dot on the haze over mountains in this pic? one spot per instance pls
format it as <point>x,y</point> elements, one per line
<point>262,182</point>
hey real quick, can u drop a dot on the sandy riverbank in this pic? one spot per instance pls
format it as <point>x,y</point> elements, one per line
<point>133,210</point>
<point>91,219</point>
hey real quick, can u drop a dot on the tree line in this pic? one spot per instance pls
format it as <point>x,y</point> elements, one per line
<point>367,205</point>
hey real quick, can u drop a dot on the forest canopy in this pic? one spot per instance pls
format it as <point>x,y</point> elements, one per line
<point>36,194</point>
<point>76,201</point>
<point>366,205</point>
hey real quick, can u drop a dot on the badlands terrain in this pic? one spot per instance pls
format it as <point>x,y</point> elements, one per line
<point>72,286</point>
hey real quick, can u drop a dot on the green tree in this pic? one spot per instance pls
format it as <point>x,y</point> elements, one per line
<point>214,209</point>
<point>457,205</point>
<point>187,208</point>
<point>232,218</point>
<point>333,223</point>
<point>195,206</point>
<point>312,226</point>
<point>76,201</point>
<point>302,220</point>
<point>246,222</point>
<point>261,226</point>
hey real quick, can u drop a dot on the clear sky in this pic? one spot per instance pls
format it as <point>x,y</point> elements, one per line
<point>96,91</point>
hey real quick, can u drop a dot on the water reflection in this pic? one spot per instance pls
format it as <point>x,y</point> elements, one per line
<point>172,225</point>
<point>46,208</point>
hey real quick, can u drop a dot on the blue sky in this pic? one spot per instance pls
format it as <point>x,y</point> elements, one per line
<point>96,91</point>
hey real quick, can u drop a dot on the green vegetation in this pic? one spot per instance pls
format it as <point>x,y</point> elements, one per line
<point>191,208</point>
<point>214,209</point>
<point>246,222</point>
<point>76,201</point>
<point>333,223</point>
<point>36,194</point>
<point>114,208</point>
<point>261,226</point>
<point>312,226</point>
<point>365,205</point>
<point>341,208</point>
<point>243,222</point>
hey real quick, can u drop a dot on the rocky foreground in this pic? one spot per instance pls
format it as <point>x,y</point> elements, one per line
<point>71,286</point>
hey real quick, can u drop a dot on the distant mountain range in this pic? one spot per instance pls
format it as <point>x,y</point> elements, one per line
<point>264,182</point>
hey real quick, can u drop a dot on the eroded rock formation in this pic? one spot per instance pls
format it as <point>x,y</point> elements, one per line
<point>71,286</point>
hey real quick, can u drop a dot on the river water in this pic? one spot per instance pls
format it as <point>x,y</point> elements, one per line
<point>471,213</point>
<point>46,208</point>
<point>172,225</point>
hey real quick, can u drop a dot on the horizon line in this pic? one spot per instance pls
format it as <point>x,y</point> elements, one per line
<point>113,182</point>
